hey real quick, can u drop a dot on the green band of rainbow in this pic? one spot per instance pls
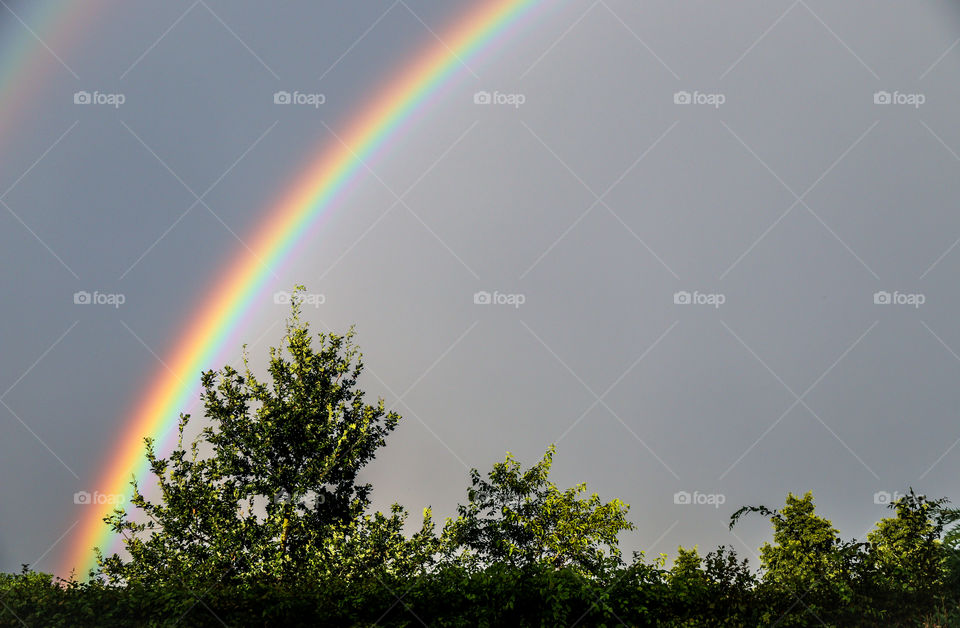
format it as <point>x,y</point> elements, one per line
<point>310,194</point>
<point>27,55</point>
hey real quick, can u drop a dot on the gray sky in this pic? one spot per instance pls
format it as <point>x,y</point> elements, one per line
<point>782,198</point>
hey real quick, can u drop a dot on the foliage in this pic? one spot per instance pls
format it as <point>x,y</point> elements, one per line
<point>905,552</point>
<point>715,590</point>
<point>808,575</point>
<point>519,517</point>
<point>498,595</point>
<point>262,520</point>
<point>805,549</point>
<point>717,585</point>
<point>951,548</point>
<point>275,493</point>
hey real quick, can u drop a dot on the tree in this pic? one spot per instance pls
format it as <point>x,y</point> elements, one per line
<point>688,583</point>
<point>951,550</point>
<point>717,585</point>
<point>269,488</point>
<point>521,518</point>
<point>905,552</point>
<point>687,568</point>
<point>806,546</point>
<point>807,572</point>
<point>731,576</point>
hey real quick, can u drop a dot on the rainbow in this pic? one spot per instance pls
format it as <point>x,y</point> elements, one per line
<point>310,194</point>
<point>25,63</point>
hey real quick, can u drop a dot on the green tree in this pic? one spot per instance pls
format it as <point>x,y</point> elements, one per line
<point>807,573</point>
<point>731,576</point>
<point>689,585</point>
<point>805,549</point>
<point>951,550</point>
<point>687,568</point>
<point>269,488</point>
<point>905,551</point>
<point>715,586</point>
<point>519,517</point>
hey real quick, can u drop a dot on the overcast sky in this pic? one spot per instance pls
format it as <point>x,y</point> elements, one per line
<point>786,167</point>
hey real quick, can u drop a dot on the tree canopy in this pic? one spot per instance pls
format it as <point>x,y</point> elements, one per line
<point>269,487</point>
<point>521,518</point>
